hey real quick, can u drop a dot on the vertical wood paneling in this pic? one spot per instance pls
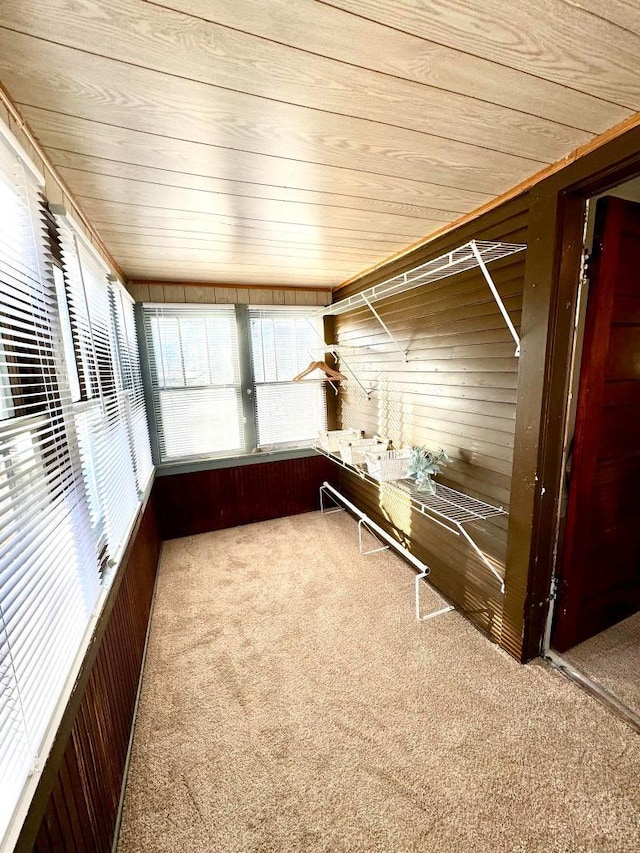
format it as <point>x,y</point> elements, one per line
<point>81,811</point>
<point>201,501</point>
<point>457,391</point>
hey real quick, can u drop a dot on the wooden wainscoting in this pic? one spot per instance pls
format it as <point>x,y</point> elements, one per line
<point>76,806</point>
<point>201,501</point>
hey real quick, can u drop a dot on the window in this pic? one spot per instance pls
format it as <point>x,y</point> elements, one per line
<point>130,386</point>
<point>200,358</point>
<point>195,377</point>
<point>282,344</point>
<point>22,370</point>
<point>102,419</point>
<point>72,433</point>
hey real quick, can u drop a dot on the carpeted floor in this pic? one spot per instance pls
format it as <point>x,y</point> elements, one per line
<point>612,659</point>
<point>291,702</point>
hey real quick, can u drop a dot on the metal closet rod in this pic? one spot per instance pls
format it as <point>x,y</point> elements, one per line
<point>379,531</point>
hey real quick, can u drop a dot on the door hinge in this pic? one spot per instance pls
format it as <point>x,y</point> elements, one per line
<point>553,592</point>
<point>586,266</point>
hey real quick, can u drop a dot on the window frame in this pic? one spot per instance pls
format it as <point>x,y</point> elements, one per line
<point>294,312</point>
<point>251,453</point>
<point>144,319</point>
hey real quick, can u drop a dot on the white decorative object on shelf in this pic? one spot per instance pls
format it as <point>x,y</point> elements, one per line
<point>353,451</point>
<point>388,465</point>
<point>329,440</point>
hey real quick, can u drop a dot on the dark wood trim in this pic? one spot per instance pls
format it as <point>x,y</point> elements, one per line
<point>548,316</point>
<point>144,536</point>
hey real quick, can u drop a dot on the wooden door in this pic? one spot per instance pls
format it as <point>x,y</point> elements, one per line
<point>600,568</point>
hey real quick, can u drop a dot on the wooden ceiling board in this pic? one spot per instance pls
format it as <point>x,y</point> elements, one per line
<point>225,59</point>
<point>131,245</point>
<point>212,260</point>
<point>108,91</point>
<point>245,207</point>
<point>554,39</point>
<point>218,243</point>
<point>623,13</point>
<point>300,142</point>
<point>242,208</point>
<point>229,260</point>
<point>102,212</point>
<point>214,274</point>
<point>325,29</point>
<point>318,263</point>
<point>234,238</point>
<point>248,236</point>
<point>130,148</point>
<point>212,192</point>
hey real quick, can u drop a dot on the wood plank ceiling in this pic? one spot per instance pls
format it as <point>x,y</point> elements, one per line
<point>296,142</point>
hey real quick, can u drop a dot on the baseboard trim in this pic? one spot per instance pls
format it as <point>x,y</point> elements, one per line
<point>600,693</point>
<point>125,775</point>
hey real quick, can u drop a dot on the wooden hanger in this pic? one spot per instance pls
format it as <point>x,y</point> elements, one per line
<point>329,372</point>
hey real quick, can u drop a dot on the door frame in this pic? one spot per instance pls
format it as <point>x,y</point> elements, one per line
<point>560,210</point>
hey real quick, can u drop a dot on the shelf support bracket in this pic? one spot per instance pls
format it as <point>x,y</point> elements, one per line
<point>496,295</point>
<point>483,557</point>
<point>402,352</point>
<point>344,364</point>
<point>362,523</point>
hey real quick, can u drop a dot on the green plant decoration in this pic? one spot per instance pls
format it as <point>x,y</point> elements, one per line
<point>423,464</point>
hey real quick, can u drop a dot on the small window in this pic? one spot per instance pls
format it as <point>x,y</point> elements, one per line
<point>283,342</point>
<point>195,380</point>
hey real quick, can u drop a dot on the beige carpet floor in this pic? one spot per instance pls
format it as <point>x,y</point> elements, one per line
<point>612,659</point>
<point>291,702</point>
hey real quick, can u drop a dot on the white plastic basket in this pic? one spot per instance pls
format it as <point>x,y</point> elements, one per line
<point>353,451</point>
<point>329,440</point>
<point>388,465</point>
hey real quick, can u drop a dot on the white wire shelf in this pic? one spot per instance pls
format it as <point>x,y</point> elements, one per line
<point>475,254</point>
<point>448,508</point>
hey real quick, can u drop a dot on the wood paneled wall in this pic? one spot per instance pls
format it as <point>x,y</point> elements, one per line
<point>201,501</point>
<point>76,806</point>
<point>457,391</point>
<point>175,291</point>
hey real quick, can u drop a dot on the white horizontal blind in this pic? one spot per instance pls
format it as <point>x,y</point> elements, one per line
<point>282,344</point>
<point>49,574</point>
<point>131,386</point>
<point>102,418</point>
<point>194,371</point>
